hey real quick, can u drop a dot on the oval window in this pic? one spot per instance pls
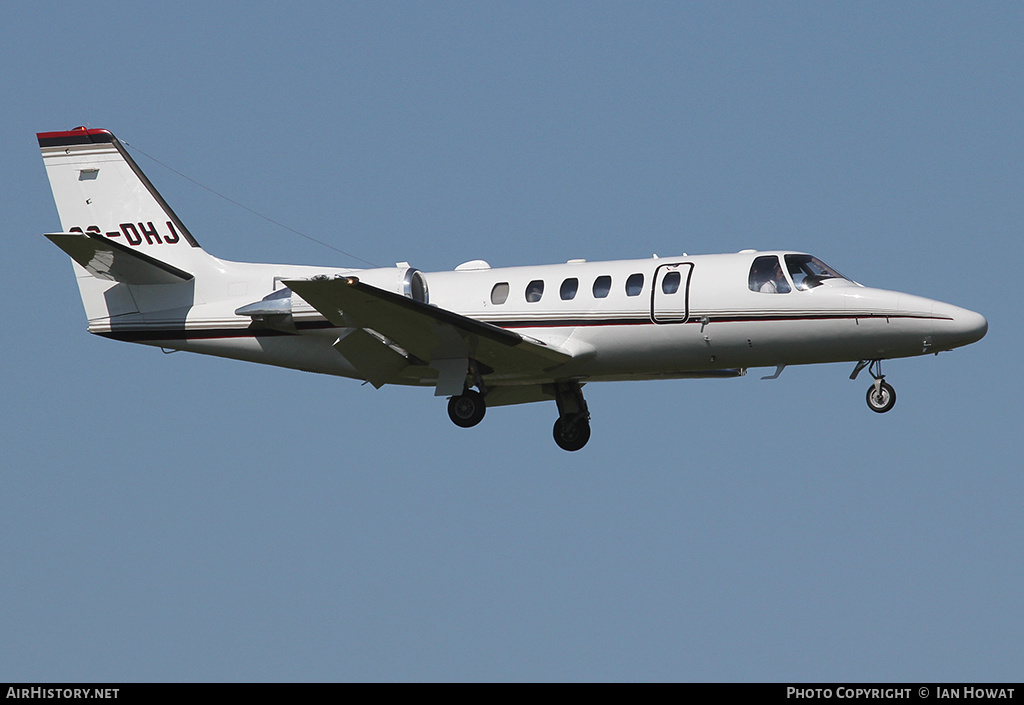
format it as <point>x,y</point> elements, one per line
<point>569,289</point>
<point>602,285</point>
<point>534,290</point>
<point>634,285</point>
<point>499,294</point>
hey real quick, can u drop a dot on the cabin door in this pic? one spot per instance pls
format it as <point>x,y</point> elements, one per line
<point>670,295</point>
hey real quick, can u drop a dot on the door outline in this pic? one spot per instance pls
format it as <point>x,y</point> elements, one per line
<point>660,313</point>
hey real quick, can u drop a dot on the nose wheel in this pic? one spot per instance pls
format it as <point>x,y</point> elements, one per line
<point>881,396</point>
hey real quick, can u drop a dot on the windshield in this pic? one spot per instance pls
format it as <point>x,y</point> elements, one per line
<point>808,272</point>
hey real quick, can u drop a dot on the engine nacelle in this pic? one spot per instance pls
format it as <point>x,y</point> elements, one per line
<point>275,310</point>
<point>401,279</point>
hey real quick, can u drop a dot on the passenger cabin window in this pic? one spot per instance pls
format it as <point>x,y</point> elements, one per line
<point>634,285</point>
<point>670,284</point>
<point>809,272</point>
<point>766,276</point>
<point>499,294</point>
<point>602,285</point>
<point>534,290</point>
<point>569,288</point>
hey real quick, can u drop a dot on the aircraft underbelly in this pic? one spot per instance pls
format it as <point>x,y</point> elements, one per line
<point>814,340</point>
<point>299,352</point>
<point>749,343</point>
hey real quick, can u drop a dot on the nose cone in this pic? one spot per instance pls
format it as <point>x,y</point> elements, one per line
<point>971,325</point>
<point>963,328</point>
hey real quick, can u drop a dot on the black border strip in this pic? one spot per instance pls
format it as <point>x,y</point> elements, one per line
<point>827,692</point>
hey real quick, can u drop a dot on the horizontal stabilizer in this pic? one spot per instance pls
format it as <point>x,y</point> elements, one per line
<point>113,261</point>
<point>428,332</point>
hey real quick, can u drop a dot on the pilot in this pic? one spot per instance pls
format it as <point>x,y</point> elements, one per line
<point>776,282</point>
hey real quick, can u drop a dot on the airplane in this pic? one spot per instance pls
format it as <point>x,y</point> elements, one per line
<point>481,336</point>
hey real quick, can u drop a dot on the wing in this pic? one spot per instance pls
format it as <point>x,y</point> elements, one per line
<point>445,340</point>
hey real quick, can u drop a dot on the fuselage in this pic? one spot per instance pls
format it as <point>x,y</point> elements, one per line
<point>655,318</point>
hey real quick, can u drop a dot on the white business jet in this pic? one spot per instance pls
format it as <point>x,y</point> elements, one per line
<point>480,336</point>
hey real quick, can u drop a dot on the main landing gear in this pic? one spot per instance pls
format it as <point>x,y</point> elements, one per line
<point>881,396</point>
<point>467,409</point>
<point>571,431</point>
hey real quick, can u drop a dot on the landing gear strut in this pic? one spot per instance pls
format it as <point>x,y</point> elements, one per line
<point>881,396</point>
<point>572,429</point>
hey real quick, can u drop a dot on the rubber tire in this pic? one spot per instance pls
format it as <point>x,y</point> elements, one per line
<point>467,409</point>
<point>885,400</point>
<point>571,440</point>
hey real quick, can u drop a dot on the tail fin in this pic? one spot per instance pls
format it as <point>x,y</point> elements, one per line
<point>117,227</point>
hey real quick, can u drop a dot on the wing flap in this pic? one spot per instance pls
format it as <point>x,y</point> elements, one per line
<point>429,333</point>
<point>113,261</point>
<point>375,360</point>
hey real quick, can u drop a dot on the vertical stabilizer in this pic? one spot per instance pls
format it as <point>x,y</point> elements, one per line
<point>127,235</point>
<point>98,188</point>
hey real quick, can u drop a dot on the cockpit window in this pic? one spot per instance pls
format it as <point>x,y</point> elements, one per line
<point>766,276</point>
<point>808,272</point>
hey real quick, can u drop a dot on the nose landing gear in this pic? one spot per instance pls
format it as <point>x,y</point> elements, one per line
<point>881,396</point>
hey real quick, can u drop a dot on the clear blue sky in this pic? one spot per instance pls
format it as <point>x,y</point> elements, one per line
<point>187,518</point>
